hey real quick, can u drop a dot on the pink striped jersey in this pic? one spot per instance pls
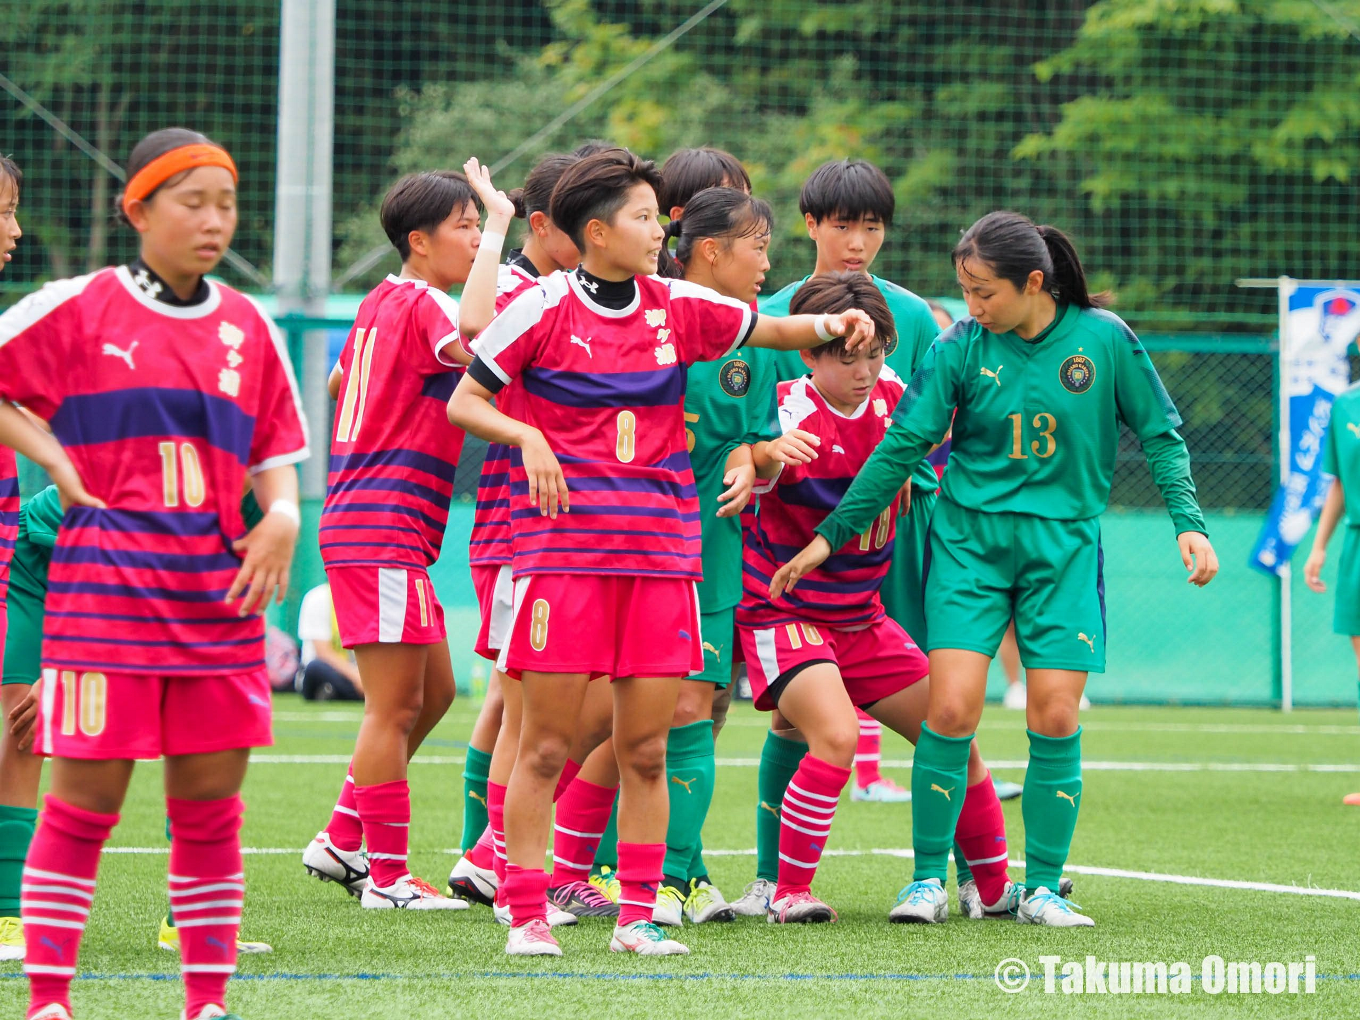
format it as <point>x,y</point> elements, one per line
<point>606,387</point>
<point>843,591</point>
<point>489,545</point>
<point>393,451</point>
<point>9,522</point>
<point>165,410</point>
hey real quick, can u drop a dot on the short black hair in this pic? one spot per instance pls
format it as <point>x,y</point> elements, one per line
<point>848,189</point>
<point>689,171</point>
<point>596,188</point>
<point>839,292</point>
<point>10,169</point>
<point>152,147</point>
<point>538,187</point>
<point>422,201</point>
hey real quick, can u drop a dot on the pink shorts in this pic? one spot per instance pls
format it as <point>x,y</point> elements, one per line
<point>496,600</point>
<point>604,625</point>
<point>874,662</point>
<point>387,605</point>
<point>128,715</point>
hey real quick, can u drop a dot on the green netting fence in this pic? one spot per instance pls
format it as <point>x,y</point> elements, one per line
<point>1184,143</point>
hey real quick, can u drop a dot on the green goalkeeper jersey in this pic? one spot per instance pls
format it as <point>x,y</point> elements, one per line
<point>916,331</point>
<point>1341,451</point>
<point>727,403</point>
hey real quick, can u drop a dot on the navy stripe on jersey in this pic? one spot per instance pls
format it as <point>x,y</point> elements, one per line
<point>607,389</point>
<point>428,463</point>
<point>147,559</point>
<point>440,387</point>
<point>385,484</point>
<point>184,524</point>
<point>817,493</point>
<point>117,415</point>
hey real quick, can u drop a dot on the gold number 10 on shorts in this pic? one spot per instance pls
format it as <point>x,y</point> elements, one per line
<point>84,703</point>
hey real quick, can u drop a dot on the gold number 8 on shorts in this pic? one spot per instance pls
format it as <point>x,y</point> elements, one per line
<point>538,625</point>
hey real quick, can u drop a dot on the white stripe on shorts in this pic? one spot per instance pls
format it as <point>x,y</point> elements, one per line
<point>502,608</point>
<point>521,588</point>
<point>769,662</point>
<point>391,604</point>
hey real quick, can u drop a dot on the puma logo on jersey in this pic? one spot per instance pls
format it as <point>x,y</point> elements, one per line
<point>717,652</point>
<point>940,789</point>
<point>686,783</point>
<point>583,343</point>
<point>1354,428</point>
<point>837,448</point>
<point>766,807</point>
<point>1090,641</point>
<point>994,375</point>
<point>1067,797</point>
<point>477,796</point>
<point>126,355</point>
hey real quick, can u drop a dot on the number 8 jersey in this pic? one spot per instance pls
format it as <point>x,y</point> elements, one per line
<point>163,409</point>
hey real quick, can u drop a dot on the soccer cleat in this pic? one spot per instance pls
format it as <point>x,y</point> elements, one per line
<point>408,893</point>
<point>706,902</point>
<point>880,791</point>
<point>1014,698</point>
<point>1065,888</point>
<point>1006,790</point>
<point>669,911</point>
<point>556,918</point>
<point>168,939</point>
<point>581,899</point>
<point>11,938</point>
<point>755,901</point>
<point>1050,910</point>
<point>971,905</point>
<point>799,908</point>
<point>607,884</point>
<point>532,939</point>
<point>645,939</point>
<point>921,903</point>
<point>56,1011</point>
<point>328,862</point>
<point>210,1013</point>
<point>471,883</point>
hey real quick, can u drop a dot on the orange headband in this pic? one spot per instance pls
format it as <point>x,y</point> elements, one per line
<point>163,167</point>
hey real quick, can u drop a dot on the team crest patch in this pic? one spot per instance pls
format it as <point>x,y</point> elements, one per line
<point>735,378</point>
<point>889,346</point>
<point>1077,374</point>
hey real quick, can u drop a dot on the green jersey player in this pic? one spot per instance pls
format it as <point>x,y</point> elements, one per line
<point>1041,378</point>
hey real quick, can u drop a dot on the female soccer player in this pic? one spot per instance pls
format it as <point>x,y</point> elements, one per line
<point>1041,376</point>
<point>604,585</point>
<point>1341,460</point>
<point>165,389</point>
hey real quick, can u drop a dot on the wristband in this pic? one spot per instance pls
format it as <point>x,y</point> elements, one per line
<point>494,239</point>
<point>823,334</point>
<point>288,508</point>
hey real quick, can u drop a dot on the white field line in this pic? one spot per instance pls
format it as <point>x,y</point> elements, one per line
<point>1076,869</point>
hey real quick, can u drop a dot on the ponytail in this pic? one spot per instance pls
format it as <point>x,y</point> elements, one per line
<point>1013,247</point>
<point>721,213</point>
<point>666,263</point>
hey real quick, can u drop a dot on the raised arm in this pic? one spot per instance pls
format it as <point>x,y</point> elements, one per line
<point>478,304</point>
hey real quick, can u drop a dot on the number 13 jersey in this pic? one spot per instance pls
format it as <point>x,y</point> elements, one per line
<point>163,409</point>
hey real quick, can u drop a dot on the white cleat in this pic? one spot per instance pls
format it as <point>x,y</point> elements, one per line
<point>11,938</point>
<point>706,902</point>
<point>210,1012</point>
<point>469,882</point>
<point>755,901</point>
<point>409,893</point>
<point>799,908</point>
<point>921,903</point>
<point>645,939</point>
<point>55,1011</point>
<point>881,791</point>
<point>532,939</point>
<point>669,911</point>
<point>1050,910</point>
<point>326,861</point>
<point>971,905</point>
<point>1014,698</point>
<point>556,918</point>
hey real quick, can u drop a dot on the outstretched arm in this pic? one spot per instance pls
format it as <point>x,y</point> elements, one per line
<point>797,332</point>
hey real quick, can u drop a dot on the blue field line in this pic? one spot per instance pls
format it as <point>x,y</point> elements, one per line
<point>577,976</point>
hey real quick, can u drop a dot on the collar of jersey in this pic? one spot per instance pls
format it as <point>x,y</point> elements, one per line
<point>599,309</point>
<point>399,280</point>
<point>852,416</point>
<point>199,311</point>
<point>1061,324</point>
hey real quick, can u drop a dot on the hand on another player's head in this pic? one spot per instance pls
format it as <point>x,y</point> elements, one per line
<point>812,556</point>
<point>1312,570</point>
<point>856,326</point>
<point>740,482</point>
<point>495,201</point>
<point>267,552</point>
<point>797,446</point>
<point>1198,556</point>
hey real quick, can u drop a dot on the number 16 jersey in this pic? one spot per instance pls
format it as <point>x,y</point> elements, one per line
<point>163,409</point>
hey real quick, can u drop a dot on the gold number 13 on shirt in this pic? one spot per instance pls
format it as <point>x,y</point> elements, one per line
<point>626,446</point>
<point>538,625</point>
<point>1046,424</point>
<point>188,463</point>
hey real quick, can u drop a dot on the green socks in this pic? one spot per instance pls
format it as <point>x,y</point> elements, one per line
<point>16,832</point>
<point>779,760</point>
<point>1049,806</point>
<point>607,853</point>
<point>939,781</point>
<point>476,772</point>
<point>689,779</point>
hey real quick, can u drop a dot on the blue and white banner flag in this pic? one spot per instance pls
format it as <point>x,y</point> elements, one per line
<point>1322,323</point>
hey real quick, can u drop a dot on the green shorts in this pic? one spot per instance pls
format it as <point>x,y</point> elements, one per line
<point>985,568</point>
<point>718,630</point>
<point>27,597</point>
<point>1346,617</point>
<point>903,590</point>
